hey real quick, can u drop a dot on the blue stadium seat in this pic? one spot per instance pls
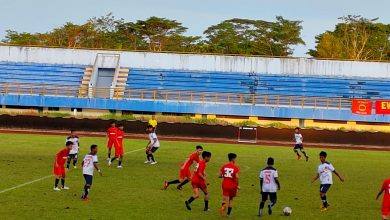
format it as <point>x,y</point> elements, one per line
<point>265,84</point>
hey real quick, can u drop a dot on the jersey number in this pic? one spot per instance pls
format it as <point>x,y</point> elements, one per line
<point>87,162</point>
<point>228,173</point>
<point>267,178</point>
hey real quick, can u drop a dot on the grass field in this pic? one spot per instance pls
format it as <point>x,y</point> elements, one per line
<point>134,192</point>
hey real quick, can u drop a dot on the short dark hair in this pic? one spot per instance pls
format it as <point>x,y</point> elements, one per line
<point>232,156</point>
<point>119,125</point>
<point>68,143</point>
<point>72,130</point>
<point>297,128</point>
<point>206,154</point>
<point>323,154</point>
<point>270,161</point>
<point>112,122</point>
<point>93,146</point>
<point>199,147</point>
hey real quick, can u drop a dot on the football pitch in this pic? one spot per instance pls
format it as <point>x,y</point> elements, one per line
<point>134,192</point>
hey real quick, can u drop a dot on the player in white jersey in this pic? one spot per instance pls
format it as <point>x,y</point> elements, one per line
<point>324,173</point>
<point>90,163</point>
<point>73,154</point>
<point>269,185</point>
<point>298,139</point>
<point>152,146</point>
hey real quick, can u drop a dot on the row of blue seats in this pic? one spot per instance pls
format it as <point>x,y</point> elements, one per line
<point>247,82</point>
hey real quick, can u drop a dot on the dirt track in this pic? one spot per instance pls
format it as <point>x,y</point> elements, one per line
<point>198,139</point>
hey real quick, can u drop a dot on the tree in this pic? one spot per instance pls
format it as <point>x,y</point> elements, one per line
<point>256,37</point>
<point>157,31</point>
<point>354,38</point>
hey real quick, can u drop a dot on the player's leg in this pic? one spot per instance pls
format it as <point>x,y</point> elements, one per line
<point>110,143</point>
<point>120,161</point>
<point>56,181</point>
<point>70,157</point>
<point>272,198</point>
<point>206,198</point>
<point>153,150</point>
<point>264,198</point>
<point>296,151</point>
<point>63,181</point>
<point>75,160</point>
<point>185,177</point>
<point>225,203</point>
<point>323,190</point>
<point>192,198</point>
<point>230,206</point>
<point>87,186</point>
<point>304,153</point>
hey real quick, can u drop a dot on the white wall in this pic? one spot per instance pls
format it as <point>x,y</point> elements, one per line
<point>302,66</point>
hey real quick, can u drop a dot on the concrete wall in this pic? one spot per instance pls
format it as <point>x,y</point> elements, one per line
<point>301,66</point>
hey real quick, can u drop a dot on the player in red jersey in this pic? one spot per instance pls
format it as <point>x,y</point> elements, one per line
<point>112,138</point>
<point>185,172</point>
<point>229,173</point>
<point>199,181</point>
<point>59,166</point>
<point>386,199</point>
<point>119,146</point>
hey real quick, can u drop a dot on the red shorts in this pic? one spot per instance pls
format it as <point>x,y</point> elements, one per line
<point>59,171</point>
<point>201,185</point>
<point>185,174</point>
<point>118,151</point>
<point>229,191</point>
<point>112,143</point>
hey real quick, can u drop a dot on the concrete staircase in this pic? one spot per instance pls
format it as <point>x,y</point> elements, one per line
<point>83,90</point>
<point>121,83</point>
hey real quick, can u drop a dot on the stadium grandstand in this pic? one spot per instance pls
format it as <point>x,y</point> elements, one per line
<point>296,91</point>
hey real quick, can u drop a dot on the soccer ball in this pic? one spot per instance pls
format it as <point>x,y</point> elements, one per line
<point>287,211</point>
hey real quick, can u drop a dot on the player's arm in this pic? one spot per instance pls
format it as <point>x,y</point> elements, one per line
<point>95,164</point>
<point>315,178</point>
<point>277,182</point>
<point>338,175</point>
<point>379,194</point>
<point>261,184</point>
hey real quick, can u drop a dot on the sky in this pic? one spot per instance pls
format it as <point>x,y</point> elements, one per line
<point>317,15</point>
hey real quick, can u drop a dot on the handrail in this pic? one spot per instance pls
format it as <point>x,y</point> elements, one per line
<point>176,95</point>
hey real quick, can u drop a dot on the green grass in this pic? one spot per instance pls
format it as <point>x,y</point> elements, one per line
<point>134,192</point>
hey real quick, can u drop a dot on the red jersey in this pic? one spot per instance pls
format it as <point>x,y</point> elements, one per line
<point>229,173</point>
<point>61,157</point>
<point>386,196</point>
<point>112,132</point>
<point>194,157</point>
<point>120,136</point>
<point>199,172</point>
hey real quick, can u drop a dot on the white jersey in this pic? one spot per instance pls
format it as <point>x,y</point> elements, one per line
<point>154,140</point>
<point>298,138</point>
<point>75,146</point>
<point>325,172</point>
<point>268,175</point>
<point>88,166</point>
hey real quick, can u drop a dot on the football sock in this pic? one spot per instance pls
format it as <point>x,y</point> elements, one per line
<point>229,210</point>
<point>120,162</point>
<point>261,205</point>
<point>86,191</point>
<point>173,182</point>
<point>304,153</point>
<point>56,182</point>
<point>152,158</point>
<point>109,155</point>
<point>74,162</point>
<point>191,199</point>
<point>324,201</point>
<point>112,160</point>
<point>183,183</point>
<point>67,163</point>
<point>63,182</point>
<point>206,204</point>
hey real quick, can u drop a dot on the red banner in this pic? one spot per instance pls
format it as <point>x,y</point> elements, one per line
<point>382,107</point>
<point>361,106</point>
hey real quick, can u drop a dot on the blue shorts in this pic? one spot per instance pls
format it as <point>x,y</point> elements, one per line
<point>88,179</point>
<point>325,187</point>
<point>298,147</point>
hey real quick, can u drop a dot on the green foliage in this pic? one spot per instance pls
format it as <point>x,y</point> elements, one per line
<point>112,116</point>
<point>277,125</point>
<point>30,157</point>
<point>246,123</point>
<point>355,38</point>
<point>235,36</point>
<point>57,114</point>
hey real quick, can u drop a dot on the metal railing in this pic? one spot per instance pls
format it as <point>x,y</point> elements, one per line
<point>177,96</point>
